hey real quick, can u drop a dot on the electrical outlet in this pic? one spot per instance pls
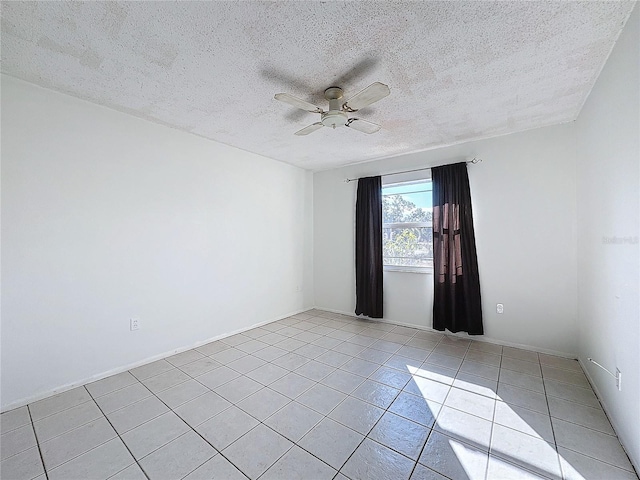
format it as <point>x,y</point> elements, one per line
<point>134,323</point>
<point>500,308</point>
<point>619,379</point>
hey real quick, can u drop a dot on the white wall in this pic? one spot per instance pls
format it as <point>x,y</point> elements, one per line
<point>607,133</point>
<point>106,216</point>
<point>524,215</point>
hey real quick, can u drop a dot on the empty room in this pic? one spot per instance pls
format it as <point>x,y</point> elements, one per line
<point>316,240</point>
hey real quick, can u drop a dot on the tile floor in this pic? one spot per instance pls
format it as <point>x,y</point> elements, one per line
<point>324,396</point>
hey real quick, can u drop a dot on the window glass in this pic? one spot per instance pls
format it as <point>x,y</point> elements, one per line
<point>407,237</point>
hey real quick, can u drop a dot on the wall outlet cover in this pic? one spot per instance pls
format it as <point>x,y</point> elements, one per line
<point>134,323</point>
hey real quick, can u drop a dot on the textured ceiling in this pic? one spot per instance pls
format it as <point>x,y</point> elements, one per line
<point>457,70</point>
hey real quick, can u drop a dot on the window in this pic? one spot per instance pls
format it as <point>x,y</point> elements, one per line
<point>407,236</point>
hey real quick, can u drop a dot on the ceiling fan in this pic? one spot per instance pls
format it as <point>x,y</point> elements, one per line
<point>337,115</point>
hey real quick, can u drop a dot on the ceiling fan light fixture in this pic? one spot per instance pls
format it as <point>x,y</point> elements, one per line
<point>334,118</point>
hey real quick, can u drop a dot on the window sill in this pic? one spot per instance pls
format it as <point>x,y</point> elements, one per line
<point>422,270</point>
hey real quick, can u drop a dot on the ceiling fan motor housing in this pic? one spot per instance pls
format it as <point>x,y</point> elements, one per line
<point>334,118</point>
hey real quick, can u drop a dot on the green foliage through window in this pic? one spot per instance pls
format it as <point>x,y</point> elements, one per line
<point>407,237</point>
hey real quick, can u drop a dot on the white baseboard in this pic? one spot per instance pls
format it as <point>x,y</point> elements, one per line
<point>607,411</point>
<point>124,368</point>
<point>479,338</point>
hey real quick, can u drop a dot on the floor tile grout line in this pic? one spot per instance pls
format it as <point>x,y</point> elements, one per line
<point>246,433</point>
<point>324,416</point>
<point>115,390</point>
<point>87,451</point>
<point>16,428</point>
<point>333,366</point>
<point>553,430</point>
<point>502,354</point>
<point>555,444</point>
<point>246,353</point>
<point>154,375</point>
<point>59,411</point>
<point>71,429</point>
<point>46,474</point>
<point>146,421</point>
<point>392,353</point>
<point>171,441</point>
<point>604,461</point>
<point>584,426</point>
<point>209,459</point>
<point>400,391</point>
<point>219,452</point>
<point>152,394</point>
<point>495,407</point>
<point>316,382</point>
<point>547,475</point>
<point>571,385</point>
<point>129,404</point>
<point>232,404</point>
<point>24,449</point>
<point>176,366</point>
<point>121,439</point>
<point>415,465</point>
<point>364,437</point>
<point>295,444</point>
<point>575,402</point>
<point>493,422</point>
<point>592,457</point>
<point>376,423</point>
<point>125,468</point>
<point>552,417</point>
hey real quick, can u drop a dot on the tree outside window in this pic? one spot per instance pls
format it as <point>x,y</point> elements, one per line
<point>407,236</point>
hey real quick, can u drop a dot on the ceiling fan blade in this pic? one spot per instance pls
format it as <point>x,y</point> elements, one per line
<point>296,102</point>
<point>310,129</point>
<point>363,125</point>
<point>374,92</point>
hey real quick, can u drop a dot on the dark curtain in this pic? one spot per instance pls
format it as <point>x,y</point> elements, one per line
<point>456,299</point>
<point>369,247</point>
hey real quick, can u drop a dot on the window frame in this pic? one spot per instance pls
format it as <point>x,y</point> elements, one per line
<point>407,268</point>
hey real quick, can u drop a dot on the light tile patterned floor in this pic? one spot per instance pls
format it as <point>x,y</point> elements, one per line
<point>322,396</point>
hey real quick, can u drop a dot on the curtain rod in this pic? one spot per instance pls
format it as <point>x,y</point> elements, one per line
<point>474,160</point>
